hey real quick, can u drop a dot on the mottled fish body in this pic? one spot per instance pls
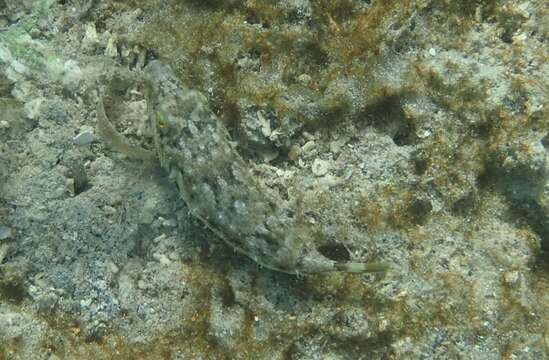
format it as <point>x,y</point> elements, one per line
<point>194,147</point>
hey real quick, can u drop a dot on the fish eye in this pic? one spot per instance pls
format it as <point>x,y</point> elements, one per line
<point>160,120</point>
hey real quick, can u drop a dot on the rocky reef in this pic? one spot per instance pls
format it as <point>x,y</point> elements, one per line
<point>415,133</point>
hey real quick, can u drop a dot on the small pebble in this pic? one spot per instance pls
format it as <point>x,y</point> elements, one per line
<point>159,238</point>
<point>336,145</point>
<point>84,138</point>
<point>5,55</point>
<point>304,79</point>
<point>112,267</point>
<point>32,108</point>
<point>162,259</point>
<point>109,210</point>
<point>308,147</point>
<point>18,67</point>
<point>320,167</point>
<point>35,33</point>
<point>111,49</point>
<point>265,125</point>
<point>90,37</point>
<point>69,186</point>
<point>268,155</point>
<point>5,232</point>
<point>293,154</point>
<point>3,252</point>
<point>141,284</point>
<point>167,222</point>
<point>511,278</point>
<point>348,175</point>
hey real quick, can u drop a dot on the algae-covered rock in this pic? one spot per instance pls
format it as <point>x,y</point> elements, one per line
<point>411,132</point>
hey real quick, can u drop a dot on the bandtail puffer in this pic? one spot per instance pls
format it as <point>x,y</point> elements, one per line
<point>194,147</point>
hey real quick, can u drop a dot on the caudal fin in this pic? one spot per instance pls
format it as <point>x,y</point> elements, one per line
<point>357,267</point>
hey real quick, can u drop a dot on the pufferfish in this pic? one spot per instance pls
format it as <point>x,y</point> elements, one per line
<point>194,148</point>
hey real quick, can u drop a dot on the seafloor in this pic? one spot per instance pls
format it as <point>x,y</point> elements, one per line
<point>414,133</point>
